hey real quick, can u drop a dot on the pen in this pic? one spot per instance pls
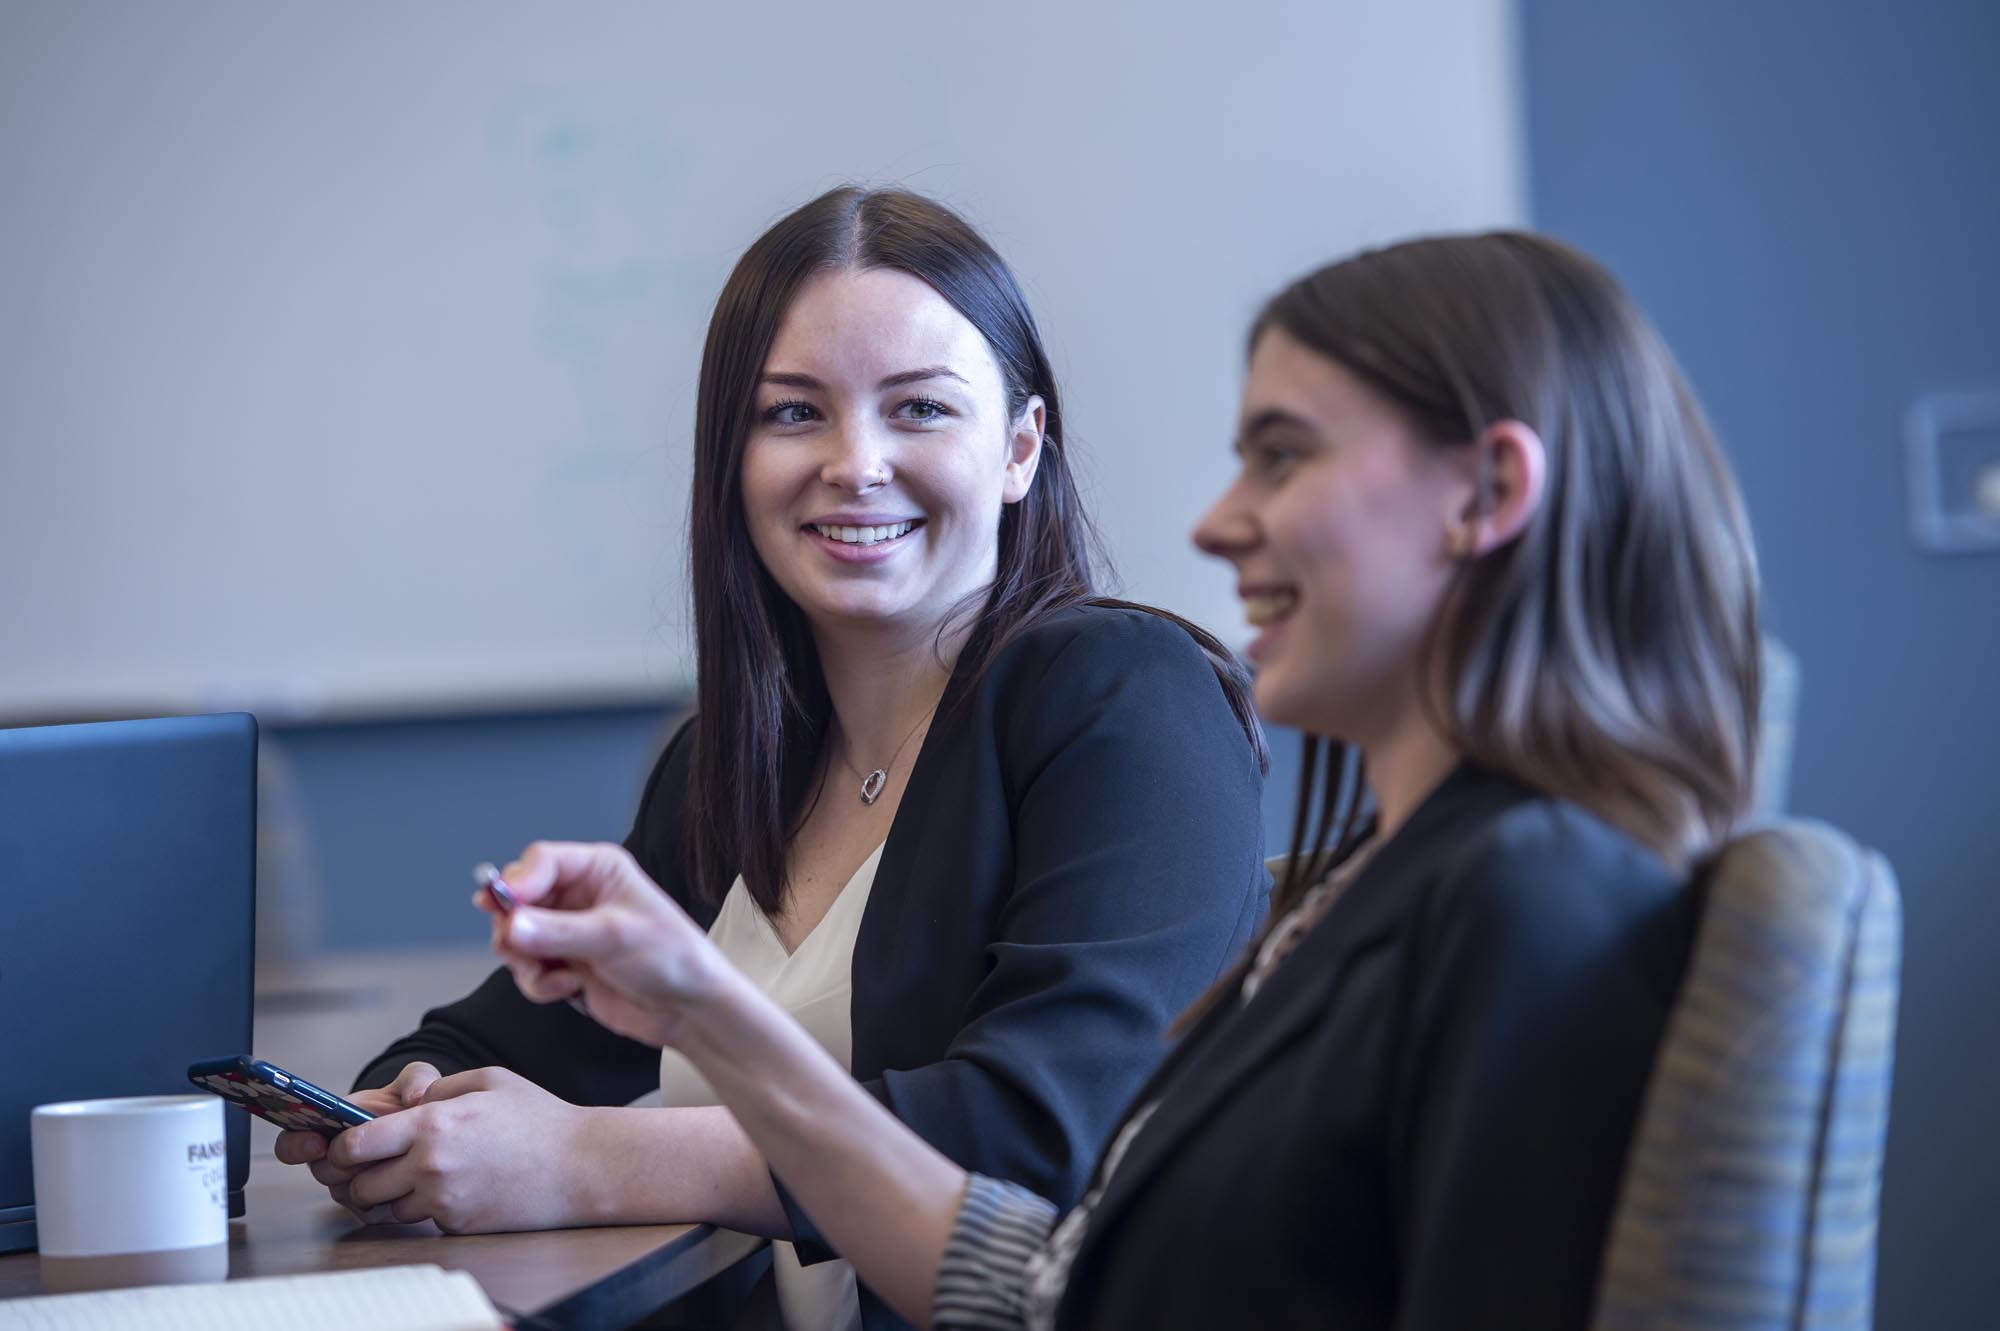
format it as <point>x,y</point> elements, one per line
<point>496,887</point>
<point>489,878</point>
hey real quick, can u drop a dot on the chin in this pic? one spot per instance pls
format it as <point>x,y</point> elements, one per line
<point>846,598</point>
<point>1298,700</point>
<point>1277,703</point>
<point>858,610</point>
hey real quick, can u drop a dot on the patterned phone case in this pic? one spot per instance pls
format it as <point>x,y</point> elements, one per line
<point>271,1093</point>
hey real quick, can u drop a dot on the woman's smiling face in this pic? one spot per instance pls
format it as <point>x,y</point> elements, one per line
<point>1338,527</point>
<point>881,452</point>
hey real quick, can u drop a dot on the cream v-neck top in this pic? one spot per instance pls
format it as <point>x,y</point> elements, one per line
<point>815,984</point>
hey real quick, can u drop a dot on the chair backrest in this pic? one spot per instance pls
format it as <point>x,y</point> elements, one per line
<point>1751,1192</point>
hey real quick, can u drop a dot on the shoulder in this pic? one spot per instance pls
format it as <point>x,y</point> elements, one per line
<point>1543,879</point>
<point>1105,680</point>
<point>1100,638</point>
<point>1542,837</point>
<point>668,781</point>
<point>658,835</point>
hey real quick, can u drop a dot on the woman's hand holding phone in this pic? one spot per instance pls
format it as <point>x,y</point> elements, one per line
<point>299,1147</point>
<point>487,1150</point>
<point>470,1152</point>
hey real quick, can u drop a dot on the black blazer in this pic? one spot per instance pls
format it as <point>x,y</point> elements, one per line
<point>1077,856</point>
<point>1421,1120</point>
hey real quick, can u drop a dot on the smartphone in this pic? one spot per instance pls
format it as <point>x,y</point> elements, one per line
<point>270,1092</point>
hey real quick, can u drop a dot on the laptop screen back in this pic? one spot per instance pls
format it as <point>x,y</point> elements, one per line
<point>127,880</point>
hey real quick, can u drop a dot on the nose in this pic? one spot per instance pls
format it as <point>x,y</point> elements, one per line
<point>858,459</point>
<point>1229,528</point>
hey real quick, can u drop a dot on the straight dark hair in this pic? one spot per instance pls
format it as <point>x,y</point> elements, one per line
<point>1610,655</point>
<point>763,701</point>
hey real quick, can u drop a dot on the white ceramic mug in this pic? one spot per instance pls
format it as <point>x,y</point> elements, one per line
<point>131,1192</point>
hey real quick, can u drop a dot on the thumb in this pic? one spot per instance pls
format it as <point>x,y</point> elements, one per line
<point>412,1082</point>
<point>462,1083</point>
<point>562,935</point>
<point>575,874</point>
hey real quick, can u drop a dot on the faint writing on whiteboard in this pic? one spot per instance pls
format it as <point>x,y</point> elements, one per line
<point>615,291</point>
<point>602,190</point>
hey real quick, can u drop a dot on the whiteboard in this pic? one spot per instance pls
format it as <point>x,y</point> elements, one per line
<point>347,353</point>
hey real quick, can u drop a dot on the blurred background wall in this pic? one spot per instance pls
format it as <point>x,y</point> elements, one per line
<point>1806,198</point>
<point>348,359</point>
<point>247,343</point>
<point>357,344</point>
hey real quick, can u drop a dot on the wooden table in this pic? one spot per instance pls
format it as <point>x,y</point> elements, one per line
<point>572,1278</point>
<point>323,1019</point>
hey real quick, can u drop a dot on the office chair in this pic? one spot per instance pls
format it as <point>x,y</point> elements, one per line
<point>1751,1193</point>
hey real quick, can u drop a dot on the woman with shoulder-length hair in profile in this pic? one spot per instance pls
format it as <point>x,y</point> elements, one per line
<point>979,831</point>
<point>1491,551</point>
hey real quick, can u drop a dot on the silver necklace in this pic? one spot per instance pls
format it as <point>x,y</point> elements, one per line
<point>873,783</point>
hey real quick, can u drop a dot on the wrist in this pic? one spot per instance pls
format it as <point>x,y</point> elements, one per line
<point>714,1014</point>
<point>632,1166</point>
<point>593,1193</point>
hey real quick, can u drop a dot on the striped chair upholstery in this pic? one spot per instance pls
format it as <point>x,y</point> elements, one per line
<point>1750,1197</point>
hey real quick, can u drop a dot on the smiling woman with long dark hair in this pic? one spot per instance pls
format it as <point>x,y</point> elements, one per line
<point>978,830</point>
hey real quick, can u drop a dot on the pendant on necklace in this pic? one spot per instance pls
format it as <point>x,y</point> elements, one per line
<point>871,785</point>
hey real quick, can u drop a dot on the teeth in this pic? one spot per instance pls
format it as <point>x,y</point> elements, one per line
<point>864,535</point>
<point>1268,607</point>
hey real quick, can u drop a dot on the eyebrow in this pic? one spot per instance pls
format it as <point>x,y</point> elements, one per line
<point>807,382</point>
<point>1272,418</point>
<point>918,376</point>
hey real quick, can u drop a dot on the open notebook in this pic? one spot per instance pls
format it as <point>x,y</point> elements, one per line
<point>392,1298</point>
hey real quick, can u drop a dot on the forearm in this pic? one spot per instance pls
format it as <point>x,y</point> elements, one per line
<point>676,1166</point>
<point>881,1194</point>
<point>553,1046</point>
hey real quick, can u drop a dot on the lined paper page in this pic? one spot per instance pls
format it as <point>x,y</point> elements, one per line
<point>393,1298</point>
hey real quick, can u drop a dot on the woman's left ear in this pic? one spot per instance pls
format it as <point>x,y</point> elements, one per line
<point>1511,466</point>
<point>1024,451</point>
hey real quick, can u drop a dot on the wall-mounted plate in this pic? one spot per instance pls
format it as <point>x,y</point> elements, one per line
<point>1951,445</point>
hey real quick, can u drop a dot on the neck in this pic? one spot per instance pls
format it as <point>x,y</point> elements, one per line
<point>1405,764</point>
<point>882,681</point>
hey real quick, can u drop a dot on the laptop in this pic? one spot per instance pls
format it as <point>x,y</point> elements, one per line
<point>127,891</point>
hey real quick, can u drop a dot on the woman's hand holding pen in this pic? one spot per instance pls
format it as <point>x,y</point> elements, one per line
<point>590,923</point>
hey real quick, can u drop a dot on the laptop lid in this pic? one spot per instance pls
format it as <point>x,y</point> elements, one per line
<point>127,892</point>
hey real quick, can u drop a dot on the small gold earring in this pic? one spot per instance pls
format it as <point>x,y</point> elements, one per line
<point>1459,543</point>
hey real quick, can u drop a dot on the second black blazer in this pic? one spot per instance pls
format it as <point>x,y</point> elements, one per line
<point>1420,1121</point>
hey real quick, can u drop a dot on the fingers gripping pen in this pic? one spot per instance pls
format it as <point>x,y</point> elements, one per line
<point>503,896</point>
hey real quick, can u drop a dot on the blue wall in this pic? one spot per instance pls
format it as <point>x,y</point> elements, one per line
<point>368,832</point>
<point>1806,197</point>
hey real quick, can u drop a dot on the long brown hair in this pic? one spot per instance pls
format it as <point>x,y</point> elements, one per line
<point>1610,655</point>
<point>763,701</point>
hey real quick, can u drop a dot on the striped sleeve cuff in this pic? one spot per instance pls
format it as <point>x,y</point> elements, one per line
<point>983,1282</point>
